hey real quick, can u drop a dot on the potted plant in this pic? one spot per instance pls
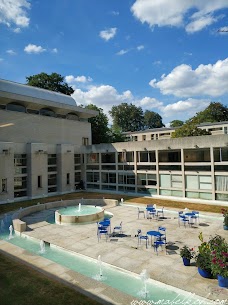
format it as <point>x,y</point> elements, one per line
<point>219,261</point>
<point>225,220</point>
<point>203,258</point>
<point>186,253</point>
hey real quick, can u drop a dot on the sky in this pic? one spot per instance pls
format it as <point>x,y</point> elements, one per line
<point>166,56</point>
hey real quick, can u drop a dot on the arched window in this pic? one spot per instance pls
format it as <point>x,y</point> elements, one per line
<point>72,116</point>
<point>16,107</point>
<point>47,112</point>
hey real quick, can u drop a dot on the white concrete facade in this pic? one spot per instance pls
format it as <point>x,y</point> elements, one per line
<point>41,134</point>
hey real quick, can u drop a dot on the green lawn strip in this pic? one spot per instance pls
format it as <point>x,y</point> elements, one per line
<point>21,285</point>
<point>5,208</point>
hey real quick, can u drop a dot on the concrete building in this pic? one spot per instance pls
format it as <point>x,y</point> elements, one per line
<point>45,149</point>
<point>166,133</point>
<point>193,167</point>
<point>41,135</point>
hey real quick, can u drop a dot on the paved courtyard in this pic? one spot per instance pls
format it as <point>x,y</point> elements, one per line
<point>123,250</point>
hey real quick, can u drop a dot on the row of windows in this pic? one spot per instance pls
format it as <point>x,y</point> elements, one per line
<point>190,155</point>
<point>44,111</point>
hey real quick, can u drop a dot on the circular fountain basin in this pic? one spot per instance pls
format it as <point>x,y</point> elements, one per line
<point>76,215</point>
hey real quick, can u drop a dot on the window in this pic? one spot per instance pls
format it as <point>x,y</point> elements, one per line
<point>135,138</point>
<point>130,156</point>
<point>147,179</point>
<point>77,159</point>
<point>92,158</point>
<point>72,116</point>
<point>221,154</point>
<point>4,185</point>
<point>108,158</point>
<point>197,155</point>
<point>39,181</point>
<point>85,141</point>
<point>221,183</point>
<point>93,177</point>
<point>171,181</point>
<point>16,107</point>
<point>144,137</point>
<point>68,178</point>
<point>108,178</point>
<point>170,156</point>
<point>47,112</point>
<point>198,182</point>
<point>225,130</point>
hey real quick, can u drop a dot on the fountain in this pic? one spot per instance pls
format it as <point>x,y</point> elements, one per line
<point>144,278</point>
<point>11,232</point>
<point>79,207</point>
<point>99,261</point>
<point>42,247</point>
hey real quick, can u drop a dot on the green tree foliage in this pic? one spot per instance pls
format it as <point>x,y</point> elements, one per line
<point>215,112</point>
<point>189,130</point>
<point>176,123</point>
<point>54,82</point>
<point>127,117</point>
<point>152,120</point>
<point>116,135</point>
<point>99,125</point>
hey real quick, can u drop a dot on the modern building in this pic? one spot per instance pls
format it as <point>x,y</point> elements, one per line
<point>166,133</point>
<point>45,149</point>
<point>41,135</point>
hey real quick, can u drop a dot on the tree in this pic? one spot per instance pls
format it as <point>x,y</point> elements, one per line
<point>215,112</point>
<point>152,120</point>
<point>99,126</point>
<point>176,123</point>
<point>127,117</point>
<point>116,135</point>
<point>54,82</point>
<point>189,130</point>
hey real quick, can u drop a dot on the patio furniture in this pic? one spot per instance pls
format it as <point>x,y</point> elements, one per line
<point>154,234</point>
<point>106,223</point>
<point>141,212</point>
<point>118,228</point>
<point>196,216</point>
<point>160,211</point>
<point>151,211</point>
<point>102,231</point>
<point>142,237</point>
<point>182,219</point>
<point>162,230</point>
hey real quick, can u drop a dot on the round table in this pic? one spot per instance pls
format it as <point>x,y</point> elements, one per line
<point>153,233</point>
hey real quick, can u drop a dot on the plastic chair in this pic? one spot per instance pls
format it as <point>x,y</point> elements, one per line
<point>182,219</point>
<point>162,230</point>
<point>102,231</point>
<point>195,216</point>
<point>142,237</point>
<point>118,228</point>
<point>141,212</point>
<point>160,243</point>
<point>106,223</point>
<point>160,211</point>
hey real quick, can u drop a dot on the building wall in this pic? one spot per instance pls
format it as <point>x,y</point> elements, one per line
<point>30,128</point>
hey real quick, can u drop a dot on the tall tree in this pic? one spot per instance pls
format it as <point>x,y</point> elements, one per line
<point>215,112</point>
<point>99,126</point>
<point>127,117</point>
<point>152,120</point>
<point>189,130</point>
<point>176,123</point>
<point>54,82</point>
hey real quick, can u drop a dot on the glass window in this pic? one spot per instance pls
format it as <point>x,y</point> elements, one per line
<point>221,183</point>
<point>198,182</point>
<point>85,141</point>
<point>52,159</point>
<point>198,168</point>
<point>4,185</point>
<point>221,154</point>
<point>108,158</point>
<point>165,181</point>
<point>39,181</point>
<point>16,107</point>
<point>47,112</point>
<point>197,155</point>
<point>144,137</point>
<point>130,156</point>
<point>20,183</point>
<point>77,158</point>
<point>92,158</point>
<point>77,177</point>
<point>93,177</point>
<point>52,179</point>
<point>143,156</point>
<point>169,156</point>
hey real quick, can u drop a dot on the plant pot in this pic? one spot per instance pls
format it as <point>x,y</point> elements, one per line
<point>205,273</point>
<point>186,261</point>
<point>225,227</point>
<point>223,281</point>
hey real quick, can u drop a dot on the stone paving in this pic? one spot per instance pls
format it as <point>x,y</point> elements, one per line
<point>123,250</point>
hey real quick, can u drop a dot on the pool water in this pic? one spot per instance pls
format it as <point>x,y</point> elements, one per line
<point>84,210</point>
<point>125,281</point>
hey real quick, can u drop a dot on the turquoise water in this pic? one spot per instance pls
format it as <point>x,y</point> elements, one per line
<point>120,279</point>
<point>84,210</point>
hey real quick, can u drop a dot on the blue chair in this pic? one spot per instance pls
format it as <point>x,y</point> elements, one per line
<point>195,216</point>
<point>159,243</point>
<point>162,230</point>
<point>102,231</point>
<point>118,228</point>
<point>106,223</point>
<point>142,237</point>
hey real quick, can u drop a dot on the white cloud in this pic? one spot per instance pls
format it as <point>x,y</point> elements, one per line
<point>11,52</point>
<point>78,79</point>
<point>55,50</point>
<point>139,48</point>
<point>14,12</point>
<point>17,30</point>
<point>193,14</point>
<point>157,62</point>
<point>115,13</point>
<point>32,48</point>
<point>150,102</point>
<point>1,59</point>
<point>183,81</point>
<point>122,52</point>
<point>108,34</point>
<point>223,30</point>
<point>184,109</point>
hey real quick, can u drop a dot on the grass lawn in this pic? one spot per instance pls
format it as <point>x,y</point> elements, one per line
<point>5,208</point>
<point>21,285</point>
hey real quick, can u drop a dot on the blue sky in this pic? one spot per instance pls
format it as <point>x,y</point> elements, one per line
<point>166,56</point>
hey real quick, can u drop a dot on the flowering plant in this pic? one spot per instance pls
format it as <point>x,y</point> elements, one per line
<point>186,252</point>
<point>219,263</point>
<point>225,215</point>
<point>203,258</point>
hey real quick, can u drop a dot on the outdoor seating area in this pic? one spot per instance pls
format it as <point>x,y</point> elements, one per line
<point>132,242</point>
